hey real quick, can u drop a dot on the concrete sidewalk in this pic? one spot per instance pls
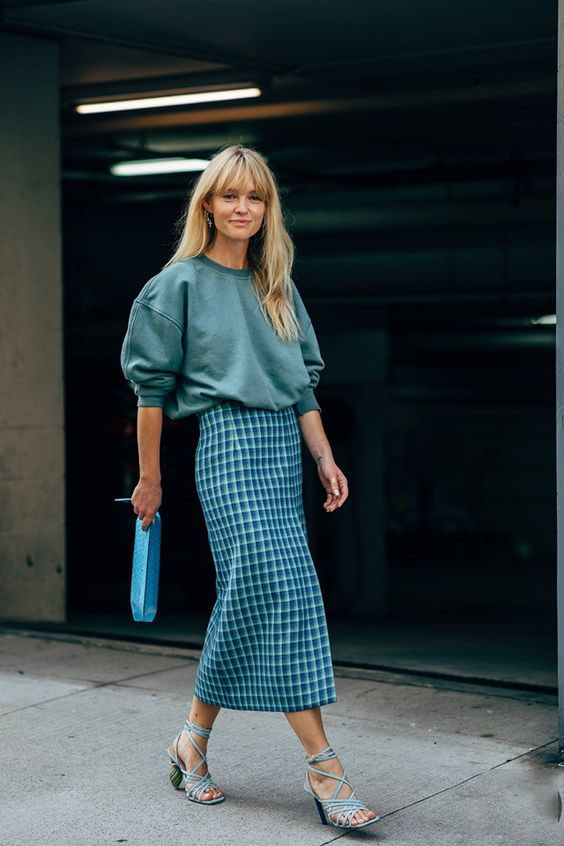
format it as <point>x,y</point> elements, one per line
<point>84,725</point>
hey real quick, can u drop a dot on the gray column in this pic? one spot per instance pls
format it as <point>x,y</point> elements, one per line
<point>560,376</point>
<point>32,471</point>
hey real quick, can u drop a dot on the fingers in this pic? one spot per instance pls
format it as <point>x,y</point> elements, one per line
<point>146,500</point>
<point>338,493</point>
<point>333,493</point>
<point>147,517</point>
<point>334,486</point>
<point>339,487</point>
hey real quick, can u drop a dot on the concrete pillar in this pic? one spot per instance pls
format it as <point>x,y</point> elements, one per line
<point>560,374</point>
<point>32,463</point>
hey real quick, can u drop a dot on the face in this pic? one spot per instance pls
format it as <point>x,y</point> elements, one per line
<point>237,214</point>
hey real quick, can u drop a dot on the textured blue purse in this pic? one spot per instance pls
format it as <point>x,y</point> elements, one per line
<point>145,569</point>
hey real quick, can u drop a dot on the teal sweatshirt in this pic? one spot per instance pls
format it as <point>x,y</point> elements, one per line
<point>196,335</point>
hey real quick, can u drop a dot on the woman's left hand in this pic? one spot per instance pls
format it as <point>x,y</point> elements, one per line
<point>335,483</point>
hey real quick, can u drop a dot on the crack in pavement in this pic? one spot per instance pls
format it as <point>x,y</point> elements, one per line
<point>92,686</point>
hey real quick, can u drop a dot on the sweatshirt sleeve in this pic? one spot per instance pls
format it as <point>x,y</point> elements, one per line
<point>311,355</point>
<point>151,354</point>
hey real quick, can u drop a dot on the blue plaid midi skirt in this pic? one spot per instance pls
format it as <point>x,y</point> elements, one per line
<point>266,646</point>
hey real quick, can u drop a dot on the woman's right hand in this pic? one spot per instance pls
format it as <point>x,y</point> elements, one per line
<point>146,500</point>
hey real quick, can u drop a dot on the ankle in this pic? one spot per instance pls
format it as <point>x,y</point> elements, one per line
<point>188,746</point>
<point>331,766</point>
<point>200,741</point>
<point>319,751</point>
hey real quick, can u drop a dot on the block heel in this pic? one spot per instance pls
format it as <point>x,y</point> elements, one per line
<point>176,777</point>
<point>194,785</point>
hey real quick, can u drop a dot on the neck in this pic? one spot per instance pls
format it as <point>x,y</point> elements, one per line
<point>228,252</point>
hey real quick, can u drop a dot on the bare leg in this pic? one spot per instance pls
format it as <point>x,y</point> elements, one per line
<point>203,715</point>
<point>308,725</point>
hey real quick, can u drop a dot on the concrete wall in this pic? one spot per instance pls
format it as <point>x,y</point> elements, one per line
<point>560,376</point>
<point>32,463</point>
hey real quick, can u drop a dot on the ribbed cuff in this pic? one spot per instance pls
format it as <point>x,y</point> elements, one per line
<point>307,402</point>
<point>151,397</point>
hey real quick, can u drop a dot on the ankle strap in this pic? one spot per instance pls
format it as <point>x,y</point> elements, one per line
<point>203,732</point>
<point>324,755</point>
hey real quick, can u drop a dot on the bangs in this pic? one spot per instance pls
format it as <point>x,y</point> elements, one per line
<point>238,173</point>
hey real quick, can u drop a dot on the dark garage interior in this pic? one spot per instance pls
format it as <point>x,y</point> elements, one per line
<point>418,181</point>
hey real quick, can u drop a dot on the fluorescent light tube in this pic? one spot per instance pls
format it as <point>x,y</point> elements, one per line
<point>545,320</point>
<point>144,167</point>
<point>167,100</point>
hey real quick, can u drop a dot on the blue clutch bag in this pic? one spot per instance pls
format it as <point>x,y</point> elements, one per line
<point>145,569</point>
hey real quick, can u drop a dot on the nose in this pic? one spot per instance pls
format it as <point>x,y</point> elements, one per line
<point>242,205</point>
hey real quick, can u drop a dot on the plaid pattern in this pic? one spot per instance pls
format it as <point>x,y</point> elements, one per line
<point>266,646</point>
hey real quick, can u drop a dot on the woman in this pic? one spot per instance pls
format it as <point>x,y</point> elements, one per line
<point>222,332</point>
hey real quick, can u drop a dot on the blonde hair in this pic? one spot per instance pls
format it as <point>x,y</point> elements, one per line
<point>271,250</point>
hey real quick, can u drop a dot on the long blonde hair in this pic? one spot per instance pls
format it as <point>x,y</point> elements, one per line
<point>271,250</point>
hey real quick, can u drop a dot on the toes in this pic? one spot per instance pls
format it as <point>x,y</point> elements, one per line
<point>363,816</point>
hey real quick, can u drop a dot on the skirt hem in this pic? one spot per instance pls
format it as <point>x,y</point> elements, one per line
<point>291,708</point>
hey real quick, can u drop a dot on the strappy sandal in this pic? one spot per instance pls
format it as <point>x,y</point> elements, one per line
<point>179,774</point>
<point>343,809</point>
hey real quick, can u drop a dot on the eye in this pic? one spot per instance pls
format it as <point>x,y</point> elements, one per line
<point>229,195</point>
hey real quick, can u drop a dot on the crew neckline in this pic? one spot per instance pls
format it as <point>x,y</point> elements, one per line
<point>241,272</point>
